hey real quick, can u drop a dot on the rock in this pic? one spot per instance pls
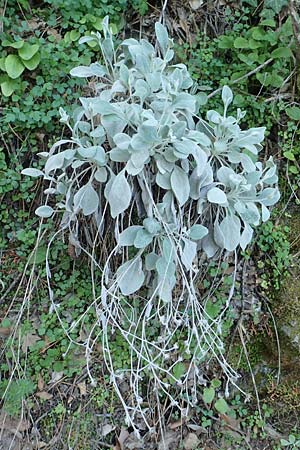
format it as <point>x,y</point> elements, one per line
<point>286,306</point>
<point>191,441</point>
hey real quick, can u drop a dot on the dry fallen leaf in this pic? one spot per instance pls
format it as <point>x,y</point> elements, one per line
<point>5,332</point>
<point>34,23</point>
<point>53,32</point>
<point>41,383</point>
<point>12,424</point>
<point>176,424</point>
<point>106,429</point>
<point>133,443</point>
<point>169,441</point>
<point>55,376</point>
<point>194,427</point>
<point>82,388</point>
<point>10,441</point>
<point>122,437</point>
<point>195,4</point>
<point>233,423</point>
<point>70,399</point>
<point>44,395</point>
<point>29,340</point>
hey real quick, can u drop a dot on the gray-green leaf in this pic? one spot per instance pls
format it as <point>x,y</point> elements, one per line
<point>130,276</point>
<point>31,172</point>
<point>189,253</point>
<point>119,195</point>
<point>143,238</point>
<point>197,232</point>
<point>86,199</point>
<point>227,96</point>
<point>180,185</point>
<point>216,195</point>
<point>231,228</point>
<point>162,37</point>
<point>44,211</point>
<point>128,236</point>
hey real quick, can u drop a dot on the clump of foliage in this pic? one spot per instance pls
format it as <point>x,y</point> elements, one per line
<point>14,393</point>
<point>273,242</point>
<point>262,47</point>
<point>27,56</point>
<point>163,188</point>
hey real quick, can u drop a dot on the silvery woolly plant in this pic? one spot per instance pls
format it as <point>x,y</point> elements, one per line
<point>174,188</point>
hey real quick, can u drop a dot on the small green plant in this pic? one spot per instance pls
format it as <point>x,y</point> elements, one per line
<point>14,392</point>
<point>74,13</point>
<point>292,443</point>
<point>209,397</point>
<point>141,6</point>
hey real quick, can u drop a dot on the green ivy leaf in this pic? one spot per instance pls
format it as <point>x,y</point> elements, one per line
<point>9,86</point>
<point>13,66</point>
<point>221,406</point>
<point>5,323</point>
<point>216,383</point>
<point>293,112</point>
<point>208,395</point>
<point>32,63</point>
<point>2,64</point>
<point>179,370</point>
<point>289,155</point>
<point>212,309</point>
<point>74,35</point>
<point>294,170</point>
<point>253,44</point>
<point>225,42</point>
<point>284,442</point>
<point>17,44</point>
<point>259,34</point>
<point>275,5</point>
<point>282,52</point>
<point>241,42</point>
<point>27,51</point>
<point>268,23</point>
<point>39,256</point>
<point>97,24</point>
